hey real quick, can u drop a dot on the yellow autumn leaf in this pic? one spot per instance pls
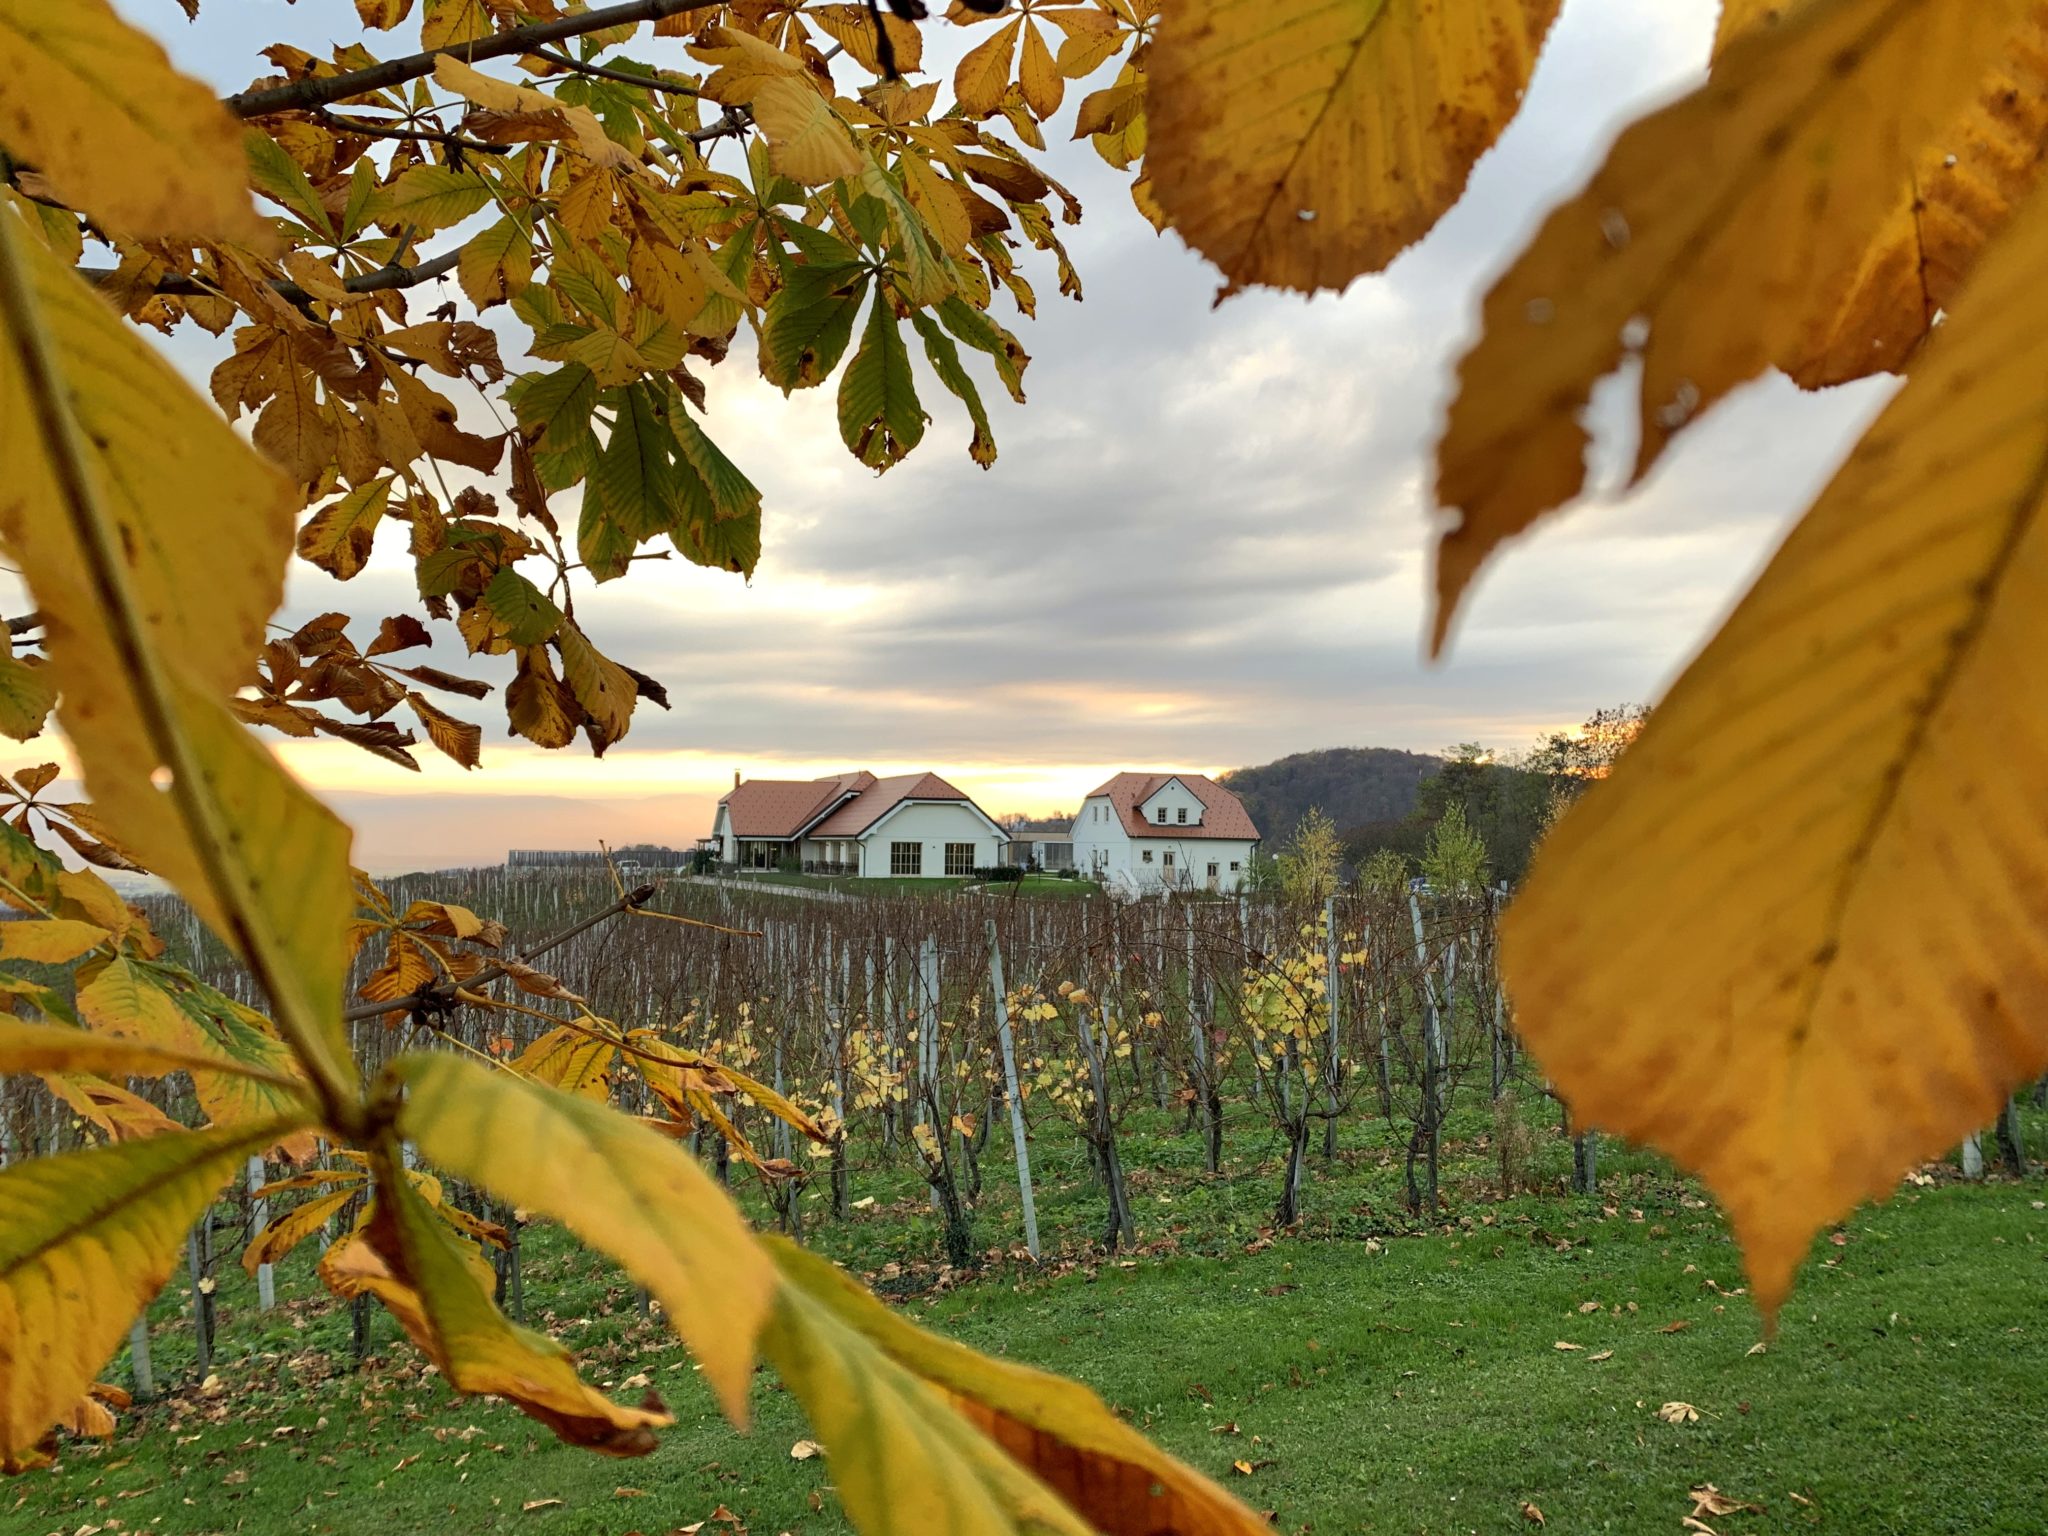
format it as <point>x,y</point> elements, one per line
<point>1965,186</point>
<point>122,1000</point>
<point>569,1059</point>
<point>1799,939</point>
<point>57,1048</point>
<point>94,105</point>
<point>53,941</point>
<point>496,95</point>
<point>86,1239</point>
<point>618,1186</point>
<point>807,140</point>
<point>926,1435</point>
<point>1715,229</point>
<point>1299,143</point>
<point>277,1238</point>
<point>154,542</point>
<point>436,1287</point>
<point>984,71</point>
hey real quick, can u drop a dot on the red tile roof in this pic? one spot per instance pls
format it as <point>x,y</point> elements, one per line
<point>849,803</point>
<point>1223,814</point>
<point>781,808</point>
<point>880,797</point>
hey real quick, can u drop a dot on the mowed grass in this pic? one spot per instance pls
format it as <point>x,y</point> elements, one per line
<point>1373,1373</point>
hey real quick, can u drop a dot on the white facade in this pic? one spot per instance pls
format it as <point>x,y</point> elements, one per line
<point>932,839</point>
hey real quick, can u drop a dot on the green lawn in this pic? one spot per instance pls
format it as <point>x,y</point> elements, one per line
<point>909,885</point>
<point>1375,1373</point>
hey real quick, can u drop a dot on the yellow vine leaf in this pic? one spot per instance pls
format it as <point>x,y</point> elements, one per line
<point>927,1435</point>
<point>1799,940</point>
<point>86,1239</point>
<point>1300,143</point>
<point>58,1048</point>
<point>617,1185</point>
<point>94,105</point>
<point>437,1288</point>
<point>1965,186</point>
<point>155,542</point>
<point>1716,228</point>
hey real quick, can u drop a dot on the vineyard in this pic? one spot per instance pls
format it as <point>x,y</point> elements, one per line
<point>943,1035</point>
<point>1202,1089</point>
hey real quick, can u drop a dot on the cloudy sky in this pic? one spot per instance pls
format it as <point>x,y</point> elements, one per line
<point>1204,544</point>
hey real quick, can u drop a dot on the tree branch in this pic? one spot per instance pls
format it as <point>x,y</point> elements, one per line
<point>320,91</point>
<point>397,275</point>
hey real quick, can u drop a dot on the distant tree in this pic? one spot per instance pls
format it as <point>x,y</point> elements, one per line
<point>1455,861</point>
<point>1384,873</point>
<point>1573,760</point>
<point>1311,862</point>
<point>1501,803</point>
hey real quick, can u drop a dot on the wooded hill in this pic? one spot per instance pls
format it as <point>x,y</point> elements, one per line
<point>1352,785</point>
<point>1382,797</point>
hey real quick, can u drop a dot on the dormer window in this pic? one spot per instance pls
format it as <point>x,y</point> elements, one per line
<point>1162,815</point>
<point>1183,815</point>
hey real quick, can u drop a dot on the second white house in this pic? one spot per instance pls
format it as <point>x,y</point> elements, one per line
<point>1145,832</point>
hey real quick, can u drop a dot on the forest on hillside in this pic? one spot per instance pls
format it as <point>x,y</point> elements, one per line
<point>1386,798</point>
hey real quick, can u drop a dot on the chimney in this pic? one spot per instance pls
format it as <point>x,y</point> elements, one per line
<point>735,778</point>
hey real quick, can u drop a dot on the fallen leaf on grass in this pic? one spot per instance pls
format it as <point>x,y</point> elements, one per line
<point>1679,1413</point>
<point>1605,1354</point>
<point>804,1450</point>
<point>1709,1500</point>
<point>532,1504</point>
<point>1589,1306</point>
<point>1678,1327</point>
<point>1755,1349</point>
<point>1531,1513</point>
<point>1562,1344</point>
<point>623,1492</point>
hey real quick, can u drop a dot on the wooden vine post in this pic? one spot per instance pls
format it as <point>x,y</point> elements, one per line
<point>1017,1138</point>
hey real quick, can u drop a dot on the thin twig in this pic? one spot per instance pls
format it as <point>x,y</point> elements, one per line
<point>607,72</point>
<point>340,124</point>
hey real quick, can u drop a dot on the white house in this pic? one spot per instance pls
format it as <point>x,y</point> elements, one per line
<point>913,824</point>
<point>1145,832</point>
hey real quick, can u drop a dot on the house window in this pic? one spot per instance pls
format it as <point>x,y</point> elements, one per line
<point>1148,855</point>
<point>959,858</point>
<point>906,858</point>
<point>1212,871</point>
<point>1233,866</point>
<point>1169,861</point>
<point>1183,815</point>
<point>1162,815</point>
